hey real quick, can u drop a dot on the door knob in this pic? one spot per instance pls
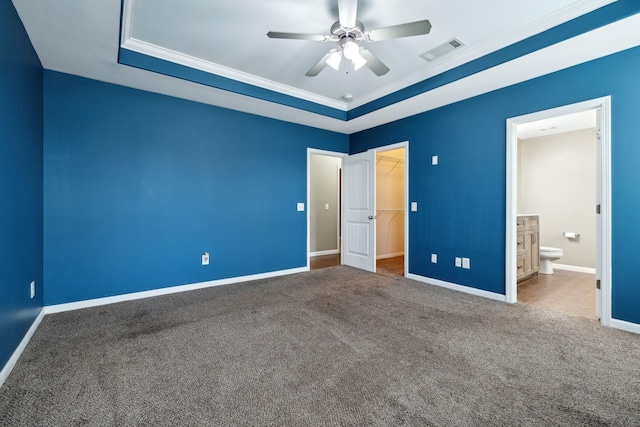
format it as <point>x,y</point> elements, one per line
<point>371,217</point>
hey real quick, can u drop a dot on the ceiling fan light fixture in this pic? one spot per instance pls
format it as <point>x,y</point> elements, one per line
<point>334,60</point>
<point>358,62</point>
<point>350,49</point>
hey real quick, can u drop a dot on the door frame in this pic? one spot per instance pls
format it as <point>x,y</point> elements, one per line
<point>603,223</point>
<point>405,145</point>
<point>336,154</point>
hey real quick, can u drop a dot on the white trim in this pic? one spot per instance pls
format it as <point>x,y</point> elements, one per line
<point>311,151</point>
<point>405,145</point>
<point>575,268</point>
<point>58,308</point>
<point>389,255</point>
<point>456,287</point>
<point>625,326</point>
<point>11,363</point>
<point>327,252</point>
<point>127,20</point>
<point>604,104</point>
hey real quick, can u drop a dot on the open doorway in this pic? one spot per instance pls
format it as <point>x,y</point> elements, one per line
<point>323,213</point>
<point>390,211</point>
<point>375,231</point>
<point>558,209</point>
<point>556,199</point>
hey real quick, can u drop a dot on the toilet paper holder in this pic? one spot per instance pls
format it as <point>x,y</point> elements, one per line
<point>571,235</point>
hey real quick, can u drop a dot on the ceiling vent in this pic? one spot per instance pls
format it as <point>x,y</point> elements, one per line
<point>441,50</point>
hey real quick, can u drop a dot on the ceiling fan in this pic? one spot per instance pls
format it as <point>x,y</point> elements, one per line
<point>348,32</point>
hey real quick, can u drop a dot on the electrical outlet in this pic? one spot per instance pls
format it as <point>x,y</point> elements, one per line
<point>33,290</point>
<point>458,262</point>
<point>434,160</point>
<point>466,263</point>
<point>205,258</point>
<point>434,258</point>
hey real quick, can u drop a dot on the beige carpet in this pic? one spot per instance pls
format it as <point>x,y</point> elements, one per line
<point>335,346</point>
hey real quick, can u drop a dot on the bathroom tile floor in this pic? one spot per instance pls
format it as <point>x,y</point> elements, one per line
<point>564,291</point>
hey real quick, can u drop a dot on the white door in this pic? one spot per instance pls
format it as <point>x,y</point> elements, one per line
<point>359,211</point>
<point>598,208</point>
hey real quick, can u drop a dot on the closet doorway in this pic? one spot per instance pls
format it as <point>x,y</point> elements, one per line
<point>390,211</point>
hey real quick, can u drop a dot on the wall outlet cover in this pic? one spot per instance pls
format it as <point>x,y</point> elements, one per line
<point>434,160</point>
<point>300,207</point>
<point>434,258</point>
<point>458,262</point>
<point>205,258</point>
<point>466,263</point>
<point>414,206</point>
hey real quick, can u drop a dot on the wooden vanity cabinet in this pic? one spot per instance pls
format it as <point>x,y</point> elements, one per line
<point>528,247</point>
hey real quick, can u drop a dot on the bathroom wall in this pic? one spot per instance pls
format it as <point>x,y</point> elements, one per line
<point>390,203</point>
<point>324,188</point>
<point>557,179</point>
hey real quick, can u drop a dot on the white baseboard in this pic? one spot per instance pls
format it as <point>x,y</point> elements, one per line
<point>460,288</point>
<point>8,367</point>
<point>574,268</point>
<point>390,255</point>
<point>625,326</point>
<point>328,252</point>
<point>165,291</point>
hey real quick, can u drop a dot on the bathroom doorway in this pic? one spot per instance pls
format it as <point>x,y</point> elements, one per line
<point>557,180</point>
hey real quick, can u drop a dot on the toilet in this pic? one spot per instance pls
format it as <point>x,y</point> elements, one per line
<point>547,255</point>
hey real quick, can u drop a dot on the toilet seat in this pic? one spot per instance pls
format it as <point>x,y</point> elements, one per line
<point>551,252</point>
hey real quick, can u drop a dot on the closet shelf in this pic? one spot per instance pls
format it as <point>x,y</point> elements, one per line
<point>396,161</point>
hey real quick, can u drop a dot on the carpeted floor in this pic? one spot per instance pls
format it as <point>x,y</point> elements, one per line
<point>336,346</point>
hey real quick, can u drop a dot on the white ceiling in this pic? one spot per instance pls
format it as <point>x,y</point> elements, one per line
<point>556,125</point>
<point>231,35</point>
<point>83,38</point>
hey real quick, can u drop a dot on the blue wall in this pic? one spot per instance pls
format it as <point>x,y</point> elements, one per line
<point>20,181</point>
<point>462,200</point>
<point>139,185</point>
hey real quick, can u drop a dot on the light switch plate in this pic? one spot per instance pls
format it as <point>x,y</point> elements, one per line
<point>33,289</point>
<point>326,206</point>
<point>434,160</point>
<point>414,206</point>
<point>434,258</point>
<point>300,207</point>
<point>466,263</point>
<point>205,258</point>
<point>458,262</point>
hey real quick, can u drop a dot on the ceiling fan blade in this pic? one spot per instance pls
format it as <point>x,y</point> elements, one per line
<point>347,10</point>
<point>374,63</point>
<point>315,70</point>
<point>297,36</point>
<point>417,28</point>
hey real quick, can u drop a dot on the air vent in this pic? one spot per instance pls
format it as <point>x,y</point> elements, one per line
<point>441,50</point>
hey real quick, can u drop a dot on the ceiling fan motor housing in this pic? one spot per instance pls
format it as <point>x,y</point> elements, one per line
<point>340,32</point>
